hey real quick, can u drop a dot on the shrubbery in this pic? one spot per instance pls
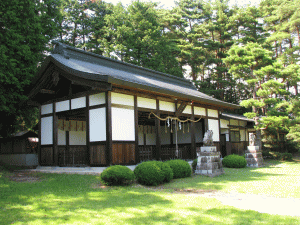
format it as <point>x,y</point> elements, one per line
<point>194,164</point>
<point>278,156</point>
<point>149,173</point>
<point>286,156</point>
<point>117,175</point>
<point>234,161</point>
<point>180,168</point>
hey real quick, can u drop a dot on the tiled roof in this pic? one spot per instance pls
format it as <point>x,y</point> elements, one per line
<point>99,68</point>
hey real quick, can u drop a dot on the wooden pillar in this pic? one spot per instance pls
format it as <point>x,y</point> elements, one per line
<point>87,116</point>
<point>206,121</point>
<point>55,136</point>
<point>136,130</point>
<point>158,133</point>
<point>108,129</point>
<point>193,138</point>
<point>39,135</point>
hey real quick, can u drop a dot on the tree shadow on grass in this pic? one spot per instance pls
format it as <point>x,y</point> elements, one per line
<point>62,199</point>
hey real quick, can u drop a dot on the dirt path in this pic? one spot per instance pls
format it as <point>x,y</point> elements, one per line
<point>259,203</point>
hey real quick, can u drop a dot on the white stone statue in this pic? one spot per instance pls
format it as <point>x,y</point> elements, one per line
<point>208,138</point>
<point>251,139</point>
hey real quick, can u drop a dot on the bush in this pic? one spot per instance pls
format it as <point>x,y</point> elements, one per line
<point>286,156</point>
<point>180,168</point>
<point>267,155</point>
<point>276,155</point>
<point>194,164</point>
<point>117,175</point>
<point>234,161</point>
<point>166,170</point>
<point>150,173</point>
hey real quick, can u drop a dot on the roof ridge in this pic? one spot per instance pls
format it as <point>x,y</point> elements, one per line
<point>61,48</point>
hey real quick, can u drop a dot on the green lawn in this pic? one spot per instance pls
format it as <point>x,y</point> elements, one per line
<point>80,199</point>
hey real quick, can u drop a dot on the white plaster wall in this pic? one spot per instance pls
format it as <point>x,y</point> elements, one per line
<point>98,124</point>
<point>167,106</point>
<point>146,103</point>
<point>122,124</point>
<point>199,111</point>
<point>77,103</point>
<point>61,140</point>
<point>243,135</point>
<point>47,130</point>
<point>234,122</point>
<point>45,109</point>
<point>97,99</point>
<point>213,113</point>
<point>122,99</point>
<point>214,126</point>
<point>62,106</point>
<point>224,123</point>
<point>198,132</point>
<point>77,138</point>
<point>187,110</point>
<point>165,137</point>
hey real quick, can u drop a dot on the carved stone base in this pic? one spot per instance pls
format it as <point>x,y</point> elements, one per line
<point>209,162</point>
<point>254,157</point>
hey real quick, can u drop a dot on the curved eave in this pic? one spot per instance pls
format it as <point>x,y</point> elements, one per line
<point>107,78</point>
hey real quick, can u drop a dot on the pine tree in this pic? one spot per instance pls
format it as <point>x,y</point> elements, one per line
<point>25,29</point>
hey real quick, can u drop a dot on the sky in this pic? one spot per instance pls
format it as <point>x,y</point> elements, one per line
<point>170,3</point>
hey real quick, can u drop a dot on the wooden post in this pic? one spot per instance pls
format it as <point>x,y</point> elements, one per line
<point>87,116</point>
<point>40,130</point>
<point>55,136</point>
<point>136,127</point>
<point>193,138</point>
<point>108,129</point>
<point>158,133</point>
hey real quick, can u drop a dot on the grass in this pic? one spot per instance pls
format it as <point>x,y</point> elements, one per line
<point>80,199</point>
<point>278,179</point>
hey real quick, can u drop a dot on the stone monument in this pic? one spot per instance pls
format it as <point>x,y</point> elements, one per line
<point>209,162</point>
<point>253,153</point>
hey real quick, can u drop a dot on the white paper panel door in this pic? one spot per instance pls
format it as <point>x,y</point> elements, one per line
<point>122,124</point>
<point>214,126</point>
<point>47,130</point>
<point>98,124</point>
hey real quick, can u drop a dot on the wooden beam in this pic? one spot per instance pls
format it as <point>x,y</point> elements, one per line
<point>41,81</point>
<point>46,91</point>
<point>180,109</point>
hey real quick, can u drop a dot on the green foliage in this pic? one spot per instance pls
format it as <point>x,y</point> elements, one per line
<point>25,29</point>
<point>234,161</point>
<point>180,168</point>
<point>166,170</point>
<point>194,164</point>
<point>282,156</point>
<point>149,173</point>
<point>117,175</point>
<point>286,156</point>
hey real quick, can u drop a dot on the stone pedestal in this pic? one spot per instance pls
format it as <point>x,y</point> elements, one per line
<point>253,156</point>
<point>209,162</point>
